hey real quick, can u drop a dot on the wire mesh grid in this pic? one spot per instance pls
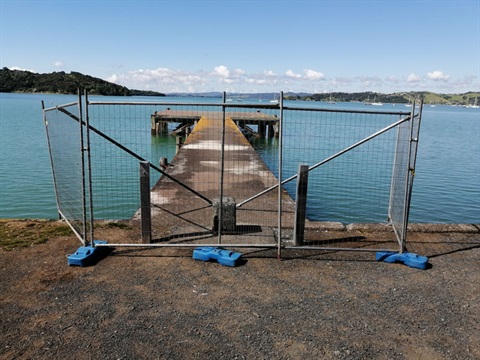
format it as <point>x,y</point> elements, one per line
<point>216,160</point>
<point>349,179</point>
<point>402,177</point>
<point>64,136</point>
<point>201,153</point>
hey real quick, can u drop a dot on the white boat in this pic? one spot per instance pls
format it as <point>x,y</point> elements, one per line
<point>274,100</point>
<point>331,101</point>
<point>374,103</point>
<point>474,106</point>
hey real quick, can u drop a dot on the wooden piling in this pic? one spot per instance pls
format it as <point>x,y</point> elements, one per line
<point>145,208</point>
<point>301,205</point>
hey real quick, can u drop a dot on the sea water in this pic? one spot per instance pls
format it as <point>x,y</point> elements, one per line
<point>446,187</point>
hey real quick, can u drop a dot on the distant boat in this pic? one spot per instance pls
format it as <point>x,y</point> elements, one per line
<point>374,103</point>
<point>409,104</point>
<point>274,100</point>
<point>474,106</point>
<point>331,101</point>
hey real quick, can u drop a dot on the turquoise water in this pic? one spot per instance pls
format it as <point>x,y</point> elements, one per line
<point>446,188</point>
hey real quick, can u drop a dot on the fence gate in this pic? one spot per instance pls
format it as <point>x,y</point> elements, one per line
<point>231,173</point>
<point>67,141</point>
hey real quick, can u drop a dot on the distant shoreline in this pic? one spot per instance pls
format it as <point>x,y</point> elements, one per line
<point>471,98</point>
<point>61,83</point>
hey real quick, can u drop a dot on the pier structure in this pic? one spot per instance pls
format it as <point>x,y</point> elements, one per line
<point>236,176</point>
<point>267,125</point>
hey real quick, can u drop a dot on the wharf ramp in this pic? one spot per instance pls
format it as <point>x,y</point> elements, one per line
<point>177,211</point>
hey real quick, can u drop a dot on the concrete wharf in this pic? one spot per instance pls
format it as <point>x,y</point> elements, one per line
<point>177,211</point>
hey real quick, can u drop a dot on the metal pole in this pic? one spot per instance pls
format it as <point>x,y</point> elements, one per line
<point>45,121</point>
<point>412,159</point>
<point>89,165</point>
<point>82,149</point>
<point>222,168</point>
<point>280,162</point>
<point>405,190</point>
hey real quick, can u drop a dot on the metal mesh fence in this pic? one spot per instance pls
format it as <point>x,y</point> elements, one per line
<point>350,155</point>
<point>353,187</point>
<point>65,140</point>
<point>402,177</point>
<point>206,156</point>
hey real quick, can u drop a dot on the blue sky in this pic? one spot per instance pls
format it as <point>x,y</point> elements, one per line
<point>250,46</point>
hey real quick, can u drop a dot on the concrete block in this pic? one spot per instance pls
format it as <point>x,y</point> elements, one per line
<point>229,214</point>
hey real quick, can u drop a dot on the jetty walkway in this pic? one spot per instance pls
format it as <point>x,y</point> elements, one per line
<point>177,211</point>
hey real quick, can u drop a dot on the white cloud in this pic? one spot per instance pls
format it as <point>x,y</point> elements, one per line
<point>392,78</point>
<point>291,74</point>
<point>58,64</point>
<point>239,72</point>
<point>438,76</point>
<point>313,75</point>
<point>161,79</point>
<point>221,78</point>
<point>412,78</point>
<point>222,71</point>
<point>21,69</point>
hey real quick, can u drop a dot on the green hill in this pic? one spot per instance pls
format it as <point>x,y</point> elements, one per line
<point>68,83</point>
<point>62,83</point>
<point>398,98</point>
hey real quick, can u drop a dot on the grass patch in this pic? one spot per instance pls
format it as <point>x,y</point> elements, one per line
<point>113,225</point>
<point>24,233</point>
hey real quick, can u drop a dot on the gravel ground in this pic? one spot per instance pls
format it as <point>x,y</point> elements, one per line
<point>309,305</point>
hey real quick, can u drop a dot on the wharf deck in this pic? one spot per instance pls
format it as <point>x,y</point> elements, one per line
<point>177,211</point>
<point>264,122</point>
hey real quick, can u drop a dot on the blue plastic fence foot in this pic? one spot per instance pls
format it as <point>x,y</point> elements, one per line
<point>409,259</point>
<point>88,255</point>
<point>223,257</point>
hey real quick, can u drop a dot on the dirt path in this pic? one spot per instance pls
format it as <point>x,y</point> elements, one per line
<point>163,304</point>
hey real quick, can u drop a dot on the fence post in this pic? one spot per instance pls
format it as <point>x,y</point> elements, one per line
<point>145,209</point>
<point>179,143</point>
<point>301,205</point>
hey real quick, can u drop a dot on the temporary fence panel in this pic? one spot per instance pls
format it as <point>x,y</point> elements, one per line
<point>215,167</point>
<point>403,173</point>
<point>66,144</point>
<point>198,155</point>
<point>350,157</point>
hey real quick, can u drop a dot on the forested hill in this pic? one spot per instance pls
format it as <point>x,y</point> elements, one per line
<point>62,83</point>
<point>69,83</point>
<point>468,98</point>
